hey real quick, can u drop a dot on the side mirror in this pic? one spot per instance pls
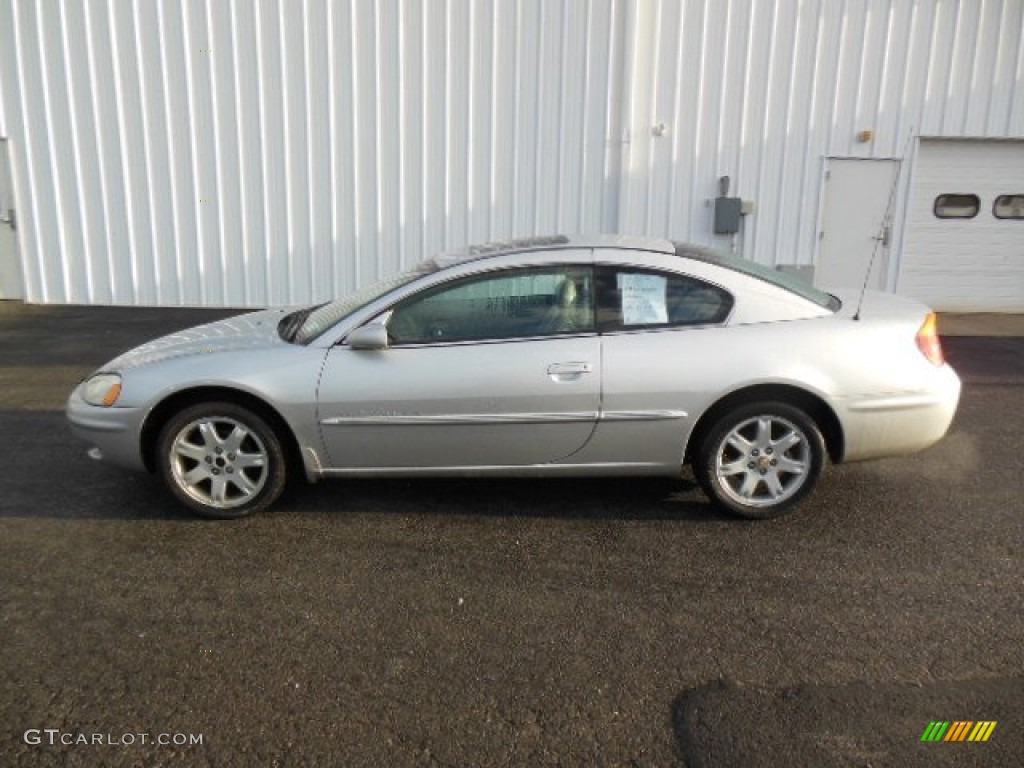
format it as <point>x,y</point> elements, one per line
<point>371,336</point>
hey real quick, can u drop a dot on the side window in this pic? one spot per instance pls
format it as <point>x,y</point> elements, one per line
<point>499,305</point>
<point>638,298</point>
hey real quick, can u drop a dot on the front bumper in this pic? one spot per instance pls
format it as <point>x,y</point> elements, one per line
<point>113,431</point>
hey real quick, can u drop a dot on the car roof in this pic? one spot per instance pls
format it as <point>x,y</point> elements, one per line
<point>699,253</point>
<point>550,242</point>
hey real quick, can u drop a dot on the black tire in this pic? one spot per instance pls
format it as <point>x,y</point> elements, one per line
<point>221,460</point>
<point>760,460</point>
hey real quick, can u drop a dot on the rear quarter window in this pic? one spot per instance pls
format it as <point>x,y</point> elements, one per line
<point>635,299</point>
<point>774,277</point>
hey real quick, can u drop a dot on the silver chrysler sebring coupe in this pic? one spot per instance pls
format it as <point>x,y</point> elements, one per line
<point>557,356</point>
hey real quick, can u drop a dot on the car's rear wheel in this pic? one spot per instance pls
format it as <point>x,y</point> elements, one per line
<point>760,460</point>
<point>221,460</point>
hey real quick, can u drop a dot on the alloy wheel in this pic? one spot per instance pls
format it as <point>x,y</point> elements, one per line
<point>219,462</point>
<point>763,461</point>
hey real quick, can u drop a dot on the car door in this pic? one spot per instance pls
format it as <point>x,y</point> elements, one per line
<point>662,332</point>
<point>497,369</point>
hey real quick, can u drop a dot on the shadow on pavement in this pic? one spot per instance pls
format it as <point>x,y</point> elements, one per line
<point>90,336</point>
<point>48,475</point>
<point>578,498</point>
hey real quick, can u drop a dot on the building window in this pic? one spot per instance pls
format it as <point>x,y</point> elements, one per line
<point>957,206</point>
<point>1008,207</point>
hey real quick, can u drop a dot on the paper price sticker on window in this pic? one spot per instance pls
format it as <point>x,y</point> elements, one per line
<point>643,299</point>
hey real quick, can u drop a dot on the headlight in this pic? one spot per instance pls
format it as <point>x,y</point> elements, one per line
<point>102,389</point>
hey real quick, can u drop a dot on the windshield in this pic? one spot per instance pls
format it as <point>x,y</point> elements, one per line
<point>775,277</point>
<point>325,317</point>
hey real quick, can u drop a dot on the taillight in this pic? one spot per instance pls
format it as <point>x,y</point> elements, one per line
<point>928,340</point>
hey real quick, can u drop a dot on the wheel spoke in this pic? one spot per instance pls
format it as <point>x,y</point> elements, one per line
<point>219,490</point>
<point>189,450</point>
<point>247,460</point>
<point>790,466</point>
<point>771,480</point>
<point>786,442</point>
<point>243,483</point>
<point>764,432</point>
<point>196,475</point>
<point>233,441</point>
<point>739,442</point>
<point>750,483</point>
<point>733,468</point>
<point>209,434</point>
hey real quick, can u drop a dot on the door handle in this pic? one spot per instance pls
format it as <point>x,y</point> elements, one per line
<point>568,371</point>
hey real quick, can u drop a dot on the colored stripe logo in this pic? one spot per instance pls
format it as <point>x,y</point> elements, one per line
<point>958,730</point>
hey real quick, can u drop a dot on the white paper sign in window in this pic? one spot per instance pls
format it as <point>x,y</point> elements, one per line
<point>643,299</point>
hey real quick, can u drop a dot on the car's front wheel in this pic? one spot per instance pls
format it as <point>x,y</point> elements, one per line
<point>221,460</point>
<point>760,460</point>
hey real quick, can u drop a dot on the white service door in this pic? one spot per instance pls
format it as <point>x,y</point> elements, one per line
<point>855,224</point>
<point>971,264</point>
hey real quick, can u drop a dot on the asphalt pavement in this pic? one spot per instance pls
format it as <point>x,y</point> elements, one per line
<point>493,623</point>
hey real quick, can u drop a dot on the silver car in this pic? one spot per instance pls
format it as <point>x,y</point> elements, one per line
<point>543,357</point>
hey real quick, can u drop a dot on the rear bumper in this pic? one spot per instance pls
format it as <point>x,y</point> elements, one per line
<point>904,422</point>
<point>113,431</point>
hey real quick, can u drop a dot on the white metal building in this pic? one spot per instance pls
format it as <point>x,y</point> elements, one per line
<point>253,152</point>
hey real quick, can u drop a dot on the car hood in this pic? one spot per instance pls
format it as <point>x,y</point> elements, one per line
<point>255,329</point>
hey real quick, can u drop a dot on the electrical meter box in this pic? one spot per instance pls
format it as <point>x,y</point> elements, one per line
<point>728,211</point>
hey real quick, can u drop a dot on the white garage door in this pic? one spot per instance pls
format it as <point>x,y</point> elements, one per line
<point>963,250</point>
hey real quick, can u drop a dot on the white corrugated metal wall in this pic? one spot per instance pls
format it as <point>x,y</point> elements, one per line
<point>251,152</point>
